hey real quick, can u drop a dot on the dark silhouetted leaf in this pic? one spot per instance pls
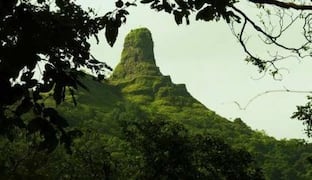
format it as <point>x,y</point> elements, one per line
<point>19,122</point>
<point>178,17</point>
<point>50,141</point>
<point>55,118</point>
<point>59,93</point>
<point>41,125</point>
<point>38,108</point>
<point>199,4</point>
<point>111,32</point>
<point>93,61</point>
<point>101,77</point>
<point>37,124</point>
<point>130,4</point>
<point>24,107</point>
<point>187,20</point>
<point>146,1</point>
<point>167,7</point>
<point>27,76</point>
<point>119,3</point>
<point>206,14</point>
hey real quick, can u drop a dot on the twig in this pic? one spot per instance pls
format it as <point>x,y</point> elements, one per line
<point>268,92</point>
<point>286,5</point>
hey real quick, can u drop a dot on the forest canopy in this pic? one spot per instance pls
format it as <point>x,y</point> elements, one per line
<point>55,33</point>
<point>51,36</point>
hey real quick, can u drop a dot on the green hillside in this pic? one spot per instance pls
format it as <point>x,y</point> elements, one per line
<point>141,82</point>
<point>138,92</point>
<point>137,80</point>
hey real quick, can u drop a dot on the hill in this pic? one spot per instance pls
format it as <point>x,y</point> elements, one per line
<point>136,91</point>
<point>137,80</point>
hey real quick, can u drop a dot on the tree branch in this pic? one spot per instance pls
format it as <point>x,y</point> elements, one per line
<point>285,5</point>
<point>259,29</point>
<point>268,92</point>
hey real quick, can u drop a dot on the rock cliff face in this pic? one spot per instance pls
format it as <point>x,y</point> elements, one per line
<point>140,80</point>
<point>137,58</point>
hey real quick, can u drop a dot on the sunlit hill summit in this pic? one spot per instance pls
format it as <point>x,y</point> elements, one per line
<point>137,81</point>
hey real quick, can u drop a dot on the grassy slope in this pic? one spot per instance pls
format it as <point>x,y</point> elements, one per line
<point>137,80</point>
<point>159,95</point>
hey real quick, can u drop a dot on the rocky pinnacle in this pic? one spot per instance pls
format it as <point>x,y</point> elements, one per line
<point>137,58</point>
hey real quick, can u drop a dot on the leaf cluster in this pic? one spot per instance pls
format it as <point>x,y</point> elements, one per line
<point>51,39</point>
<point>304,114</point>
<point>206,10</point>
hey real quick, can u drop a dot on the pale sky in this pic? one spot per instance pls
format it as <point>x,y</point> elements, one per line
<point>209,60</point>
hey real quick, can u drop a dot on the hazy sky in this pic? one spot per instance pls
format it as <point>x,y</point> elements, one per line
<point>209,60</point>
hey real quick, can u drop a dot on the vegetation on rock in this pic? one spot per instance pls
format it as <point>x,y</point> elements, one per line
<point>143,126</point>
<point>156,130</point>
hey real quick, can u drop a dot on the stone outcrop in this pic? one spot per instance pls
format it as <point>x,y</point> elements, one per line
<point>137,57</point>
<point>139,78</point>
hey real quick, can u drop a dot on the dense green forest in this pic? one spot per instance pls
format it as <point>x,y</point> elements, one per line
<point>139,125</point>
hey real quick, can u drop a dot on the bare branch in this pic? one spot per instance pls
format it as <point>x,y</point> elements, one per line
<point>269,36</point>
<point>285,90</point>
<point>259,29</point>
<point>285,5</point>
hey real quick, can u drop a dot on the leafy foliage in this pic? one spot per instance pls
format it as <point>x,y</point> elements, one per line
<point>304,113</point>
<point>279,159</point>
<point>144,149</point>
<point>170,152</point>
<point>205,10</point>
<point>54,34</point>
<point>36,34</point>
<point>197,131</point>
